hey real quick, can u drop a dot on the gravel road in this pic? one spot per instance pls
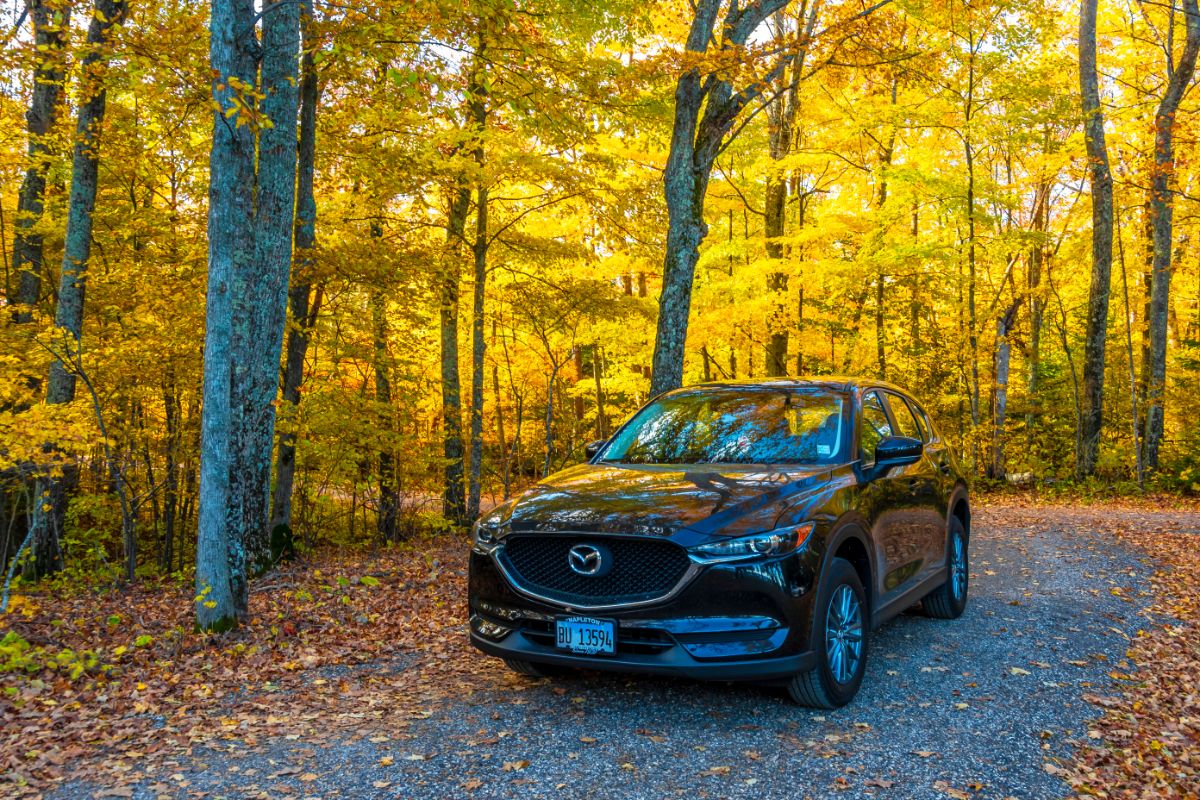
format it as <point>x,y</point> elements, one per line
<point>977,707</point>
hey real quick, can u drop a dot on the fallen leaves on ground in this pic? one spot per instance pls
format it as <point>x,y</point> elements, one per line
<point>1146,744</point>
<point>333,645</point>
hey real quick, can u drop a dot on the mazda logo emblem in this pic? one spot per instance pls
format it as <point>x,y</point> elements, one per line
<point>591,560</point>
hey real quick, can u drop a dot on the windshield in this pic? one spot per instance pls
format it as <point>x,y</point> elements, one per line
<point>733,426</point>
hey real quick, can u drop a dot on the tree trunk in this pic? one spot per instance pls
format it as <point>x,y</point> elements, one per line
<point>260,298</point>
<point>220,553</point>
<point>173,410</point>
<point>549,427</point>
<point>1162,207</point>
<point>250,229</point>
<point>695,142</point>
<point>479,112</point>
<point>51,29</point>
<point>1036,307</point>
<point>453,501</point>
<point>598,377</point>
<point>389,496</point>
<point>49,512</point>
<point>304,305</point>
<point>972,332</point>
<point>1004,326</point>
<point>1092,416</point>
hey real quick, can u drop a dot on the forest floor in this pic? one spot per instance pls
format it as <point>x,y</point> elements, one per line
<point>1072,671</point>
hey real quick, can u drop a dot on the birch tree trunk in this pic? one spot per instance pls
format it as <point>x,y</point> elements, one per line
<point>50,506</point>
<point>50,30</point>
<point>1162,208</point>
<point>1092,414</point>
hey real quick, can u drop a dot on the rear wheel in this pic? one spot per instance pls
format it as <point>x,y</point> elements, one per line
<point>840,641</point>
<point>949,600</point>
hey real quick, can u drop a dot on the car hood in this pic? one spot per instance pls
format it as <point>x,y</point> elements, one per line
<point>661,500</point>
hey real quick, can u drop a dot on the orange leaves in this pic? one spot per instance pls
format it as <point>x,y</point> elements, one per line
<point>169,689</point>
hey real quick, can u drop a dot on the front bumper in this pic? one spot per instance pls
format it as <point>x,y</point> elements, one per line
<point>733,621</point>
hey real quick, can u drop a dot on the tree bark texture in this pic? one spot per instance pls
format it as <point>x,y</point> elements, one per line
<point>1162,207</point>
<point>454,506</point>
<point>389,495</point>
<point>251,217</point>
<point>1092,412</point>
<point>479,112</point>
<point>696,139</point>
<point>220,554</point>
<point>51,26</point>
<point>305,306</point>
<point>260,297</point>
<point>49,512</point>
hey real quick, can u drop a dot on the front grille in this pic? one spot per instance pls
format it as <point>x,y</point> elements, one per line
<point>642,569</point>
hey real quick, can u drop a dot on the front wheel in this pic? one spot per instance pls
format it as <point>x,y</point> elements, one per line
<point>949,600</point>
<point>840,640</point>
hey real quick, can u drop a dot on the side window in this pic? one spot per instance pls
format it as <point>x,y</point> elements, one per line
<point>906,423</point>
<point>874,427</point>
<point>923,421</point>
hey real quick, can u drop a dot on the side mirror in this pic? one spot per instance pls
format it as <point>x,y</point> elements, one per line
<point>592,448</point>
<point>896,450</point>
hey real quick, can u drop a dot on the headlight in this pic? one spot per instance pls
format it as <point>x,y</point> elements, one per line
<point>484,538</point>
<point>772,543</point>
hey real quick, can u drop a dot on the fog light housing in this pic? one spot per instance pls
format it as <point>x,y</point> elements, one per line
<point>488,629</point>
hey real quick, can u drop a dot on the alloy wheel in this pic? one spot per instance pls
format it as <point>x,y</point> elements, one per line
<point>958,568</point>
<point>844,634</point>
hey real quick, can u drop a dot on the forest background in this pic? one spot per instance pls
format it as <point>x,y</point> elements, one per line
<point>439,246</point>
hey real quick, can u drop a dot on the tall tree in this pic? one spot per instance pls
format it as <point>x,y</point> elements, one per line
<point>707,109</point>
<point>51,24</point>
<point>479,117</point>
<point>50,510</point>
<point>1162,209</point>
<point>454,503</point>
<point>781,116</point>
<point>251,214</point>
<point>305,303</point>
<point>1092,417</point>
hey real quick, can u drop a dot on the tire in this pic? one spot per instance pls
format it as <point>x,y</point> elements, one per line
<point>949,600</point>
<point>530,669</point>
<point>839,671</point>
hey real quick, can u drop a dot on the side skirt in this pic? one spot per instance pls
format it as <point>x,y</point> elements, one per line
<point>912,596</point>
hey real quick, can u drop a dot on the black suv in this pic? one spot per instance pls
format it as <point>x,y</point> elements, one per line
<point>730,531</point>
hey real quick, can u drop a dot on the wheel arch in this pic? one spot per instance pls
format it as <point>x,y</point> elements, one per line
<point>960,508</point>
<point>850,541</point>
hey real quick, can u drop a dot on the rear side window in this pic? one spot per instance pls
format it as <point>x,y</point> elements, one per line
<point>875,427</point>
<point>923,420</point>
<point>906,423</point>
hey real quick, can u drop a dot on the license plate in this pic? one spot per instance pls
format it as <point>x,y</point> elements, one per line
<point>586,635</point>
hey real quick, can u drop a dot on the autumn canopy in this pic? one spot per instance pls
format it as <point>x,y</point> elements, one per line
<point>353,273</point>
